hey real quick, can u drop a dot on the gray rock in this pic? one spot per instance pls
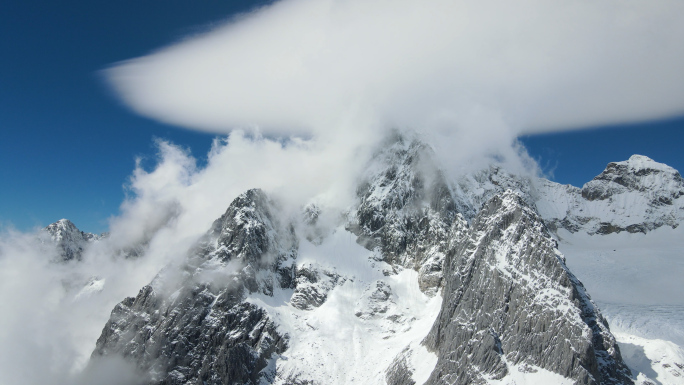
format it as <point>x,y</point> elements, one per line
<point>199,337</point>
<point>192,325</point>
<point>399,372</point>
<point>406,210</point>
<point>510,300</point>
<point>312,285</point>
<point>70,241</point>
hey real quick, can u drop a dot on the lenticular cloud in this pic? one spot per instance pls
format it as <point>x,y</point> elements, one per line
<point>326,67</point>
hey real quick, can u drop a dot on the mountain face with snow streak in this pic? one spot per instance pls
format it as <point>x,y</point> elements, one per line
<point>70,241</point>
<point>637,195</point>
<point>511,303</point>
<point>423,280</point>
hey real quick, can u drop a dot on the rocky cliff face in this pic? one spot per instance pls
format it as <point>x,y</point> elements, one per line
<point>192,325</point>
<point>70,240</point>
<point>510,303</point>
<point>407,210</point>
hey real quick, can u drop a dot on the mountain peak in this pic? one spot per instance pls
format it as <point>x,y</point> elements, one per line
<point>641,162</point>
<point>637,157</point>
<point>69,239</point>
<point>62,225</point>
<point>639,174</point>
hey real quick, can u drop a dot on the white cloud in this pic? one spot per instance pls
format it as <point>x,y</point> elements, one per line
<point>303,66</point>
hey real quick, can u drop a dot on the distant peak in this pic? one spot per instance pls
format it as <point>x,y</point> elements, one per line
<point>641,162</point>
<point>640,158</point>
<point>62,224</point>
<point>65,222</point>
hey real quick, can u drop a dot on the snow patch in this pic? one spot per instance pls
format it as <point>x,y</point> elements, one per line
<point>658,361</point>
<point>332,344</point>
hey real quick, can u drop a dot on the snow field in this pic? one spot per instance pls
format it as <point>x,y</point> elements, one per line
<point>344,341</point>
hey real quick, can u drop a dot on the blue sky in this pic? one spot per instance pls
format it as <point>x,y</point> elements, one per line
<point>67,145</point>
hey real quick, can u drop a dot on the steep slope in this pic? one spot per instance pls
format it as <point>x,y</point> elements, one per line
<point>191,324</point>
<point>637,281</point>
<point>407,210</point>
<point>472,191</point>
<point>653,361</point>
<point>69,239</point>
<point>510,304</point>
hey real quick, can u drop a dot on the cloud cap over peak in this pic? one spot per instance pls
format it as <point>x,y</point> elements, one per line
<point>301,66</point>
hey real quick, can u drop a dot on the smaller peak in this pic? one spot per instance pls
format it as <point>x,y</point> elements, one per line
<point>61,224</point>
<point>640,158</point>
<point>253,193</point>
<point>505,202</point>
<point>511,194</point>
<point>642,162</point>
<point>249,198</point>
<point>65,222</point>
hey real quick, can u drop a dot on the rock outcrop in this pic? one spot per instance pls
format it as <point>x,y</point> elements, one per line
<point>407,210</point>
<point>191,325</point>
<point>510,301</point>
<point>70,241</point>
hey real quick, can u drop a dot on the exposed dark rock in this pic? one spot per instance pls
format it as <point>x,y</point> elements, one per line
<point>251,235</point>
<point>70,241</point>
<point>509,299</point>
<point>197,337</point>
<point>406,210</point>
<point>192,325</point>
<point>312,286</point>
<point>399,372</point>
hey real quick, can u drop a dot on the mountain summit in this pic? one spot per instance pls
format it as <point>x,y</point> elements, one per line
<point>422,280</point>
<point>69,239</point>
<point>636,196</point>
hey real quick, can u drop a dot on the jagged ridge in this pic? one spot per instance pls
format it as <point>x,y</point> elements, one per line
<point>510,300</point>
<point>192,325</point>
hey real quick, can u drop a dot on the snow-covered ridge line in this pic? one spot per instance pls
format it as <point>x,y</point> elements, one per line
<point>636,196</point>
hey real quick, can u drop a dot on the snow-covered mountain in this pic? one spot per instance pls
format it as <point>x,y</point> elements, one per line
<point>422,280</point>
<point>70,241</point>
<point>637,195</point>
